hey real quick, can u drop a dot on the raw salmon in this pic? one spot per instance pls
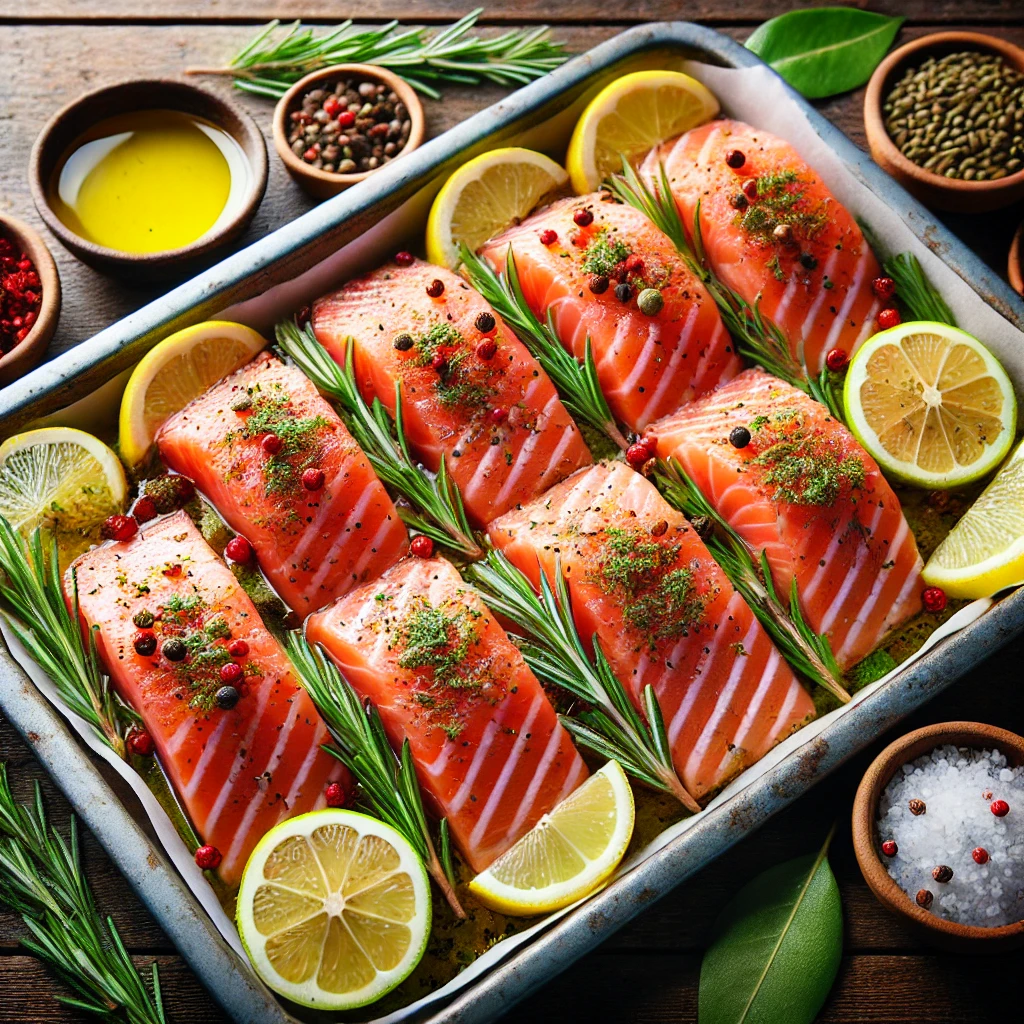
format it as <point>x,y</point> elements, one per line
<point>644,584</point>
<point>793,247</point>
<point>489,751</point>
<point>278,464</point>
<point>647,365</point>
<point>470,390</point>
<point>805,492</point>
<point>236,772</point>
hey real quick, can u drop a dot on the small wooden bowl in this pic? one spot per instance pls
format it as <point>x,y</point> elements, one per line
<point>68,125</point>
<point>935,189</point>
<point>322,184</point>
<point>866,841</point>
<point>28,352</point>
<point>1015,266</point>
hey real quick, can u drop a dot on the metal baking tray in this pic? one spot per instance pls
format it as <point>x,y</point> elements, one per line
<point>300,260</point>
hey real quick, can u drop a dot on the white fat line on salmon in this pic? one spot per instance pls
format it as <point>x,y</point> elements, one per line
<point>852,294</point>
<point>766,683</point>
<point>668,374</point>
<point>480,757</point>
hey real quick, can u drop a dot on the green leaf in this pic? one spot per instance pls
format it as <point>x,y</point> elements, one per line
<point>776,949</point>
<point>822,51</point>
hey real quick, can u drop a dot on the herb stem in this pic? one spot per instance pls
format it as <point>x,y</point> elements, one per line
<point>920,299</point>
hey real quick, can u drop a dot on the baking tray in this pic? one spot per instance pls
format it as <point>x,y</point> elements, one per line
<point>294,263</point>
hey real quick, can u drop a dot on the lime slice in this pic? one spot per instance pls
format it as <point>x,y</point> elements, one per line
<point>629,118</point>
<point>485,196</point>
<point>931,404</point>
<point>61,480</point>
<point>334,909</point>
<point>567,854</point>
<point>984,552</point>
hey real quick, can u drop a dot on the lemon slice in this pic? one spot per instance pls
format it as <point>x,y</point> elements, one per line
<point>629,118</point>
<point>62,480</point>
<point>485,196</point>
<point>931,404</point>
<point>567,854</point>
<point>178,369</point>
<point>334,909</point>
<point>984,552</point>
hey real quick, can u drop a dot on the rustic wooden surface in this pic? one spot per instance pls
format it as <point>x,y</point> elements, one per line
<point>53,50</point>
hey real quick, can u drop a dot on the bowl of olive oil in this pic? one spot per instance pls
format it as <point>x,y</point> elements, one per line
<point>149,180</point>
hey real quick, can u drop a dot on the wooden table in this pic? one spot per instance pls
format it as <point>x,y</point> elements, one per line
<point>53,50</point>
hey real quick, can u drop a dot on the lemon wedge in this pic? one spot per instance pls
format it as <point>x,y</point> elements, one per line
<point>64,481</point>
<point>334,909</point>
<point>984,552</point>
<point>629,118</point>
<point>485,196</point>
<point>567,854</point>
<point>172,373</point>
<point>931,404</point>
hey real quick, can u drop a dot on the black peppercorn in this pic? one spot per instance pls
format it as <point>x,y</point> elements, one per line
<point>403,342</point>
<point>739,437</point>
<point>807,261</point>
<point>739,201</point>
<point>485,323</point>
<point>227,697</point>
<point>598,284</point>
<point>144,644</point>
<point>624,292</point>
<point>174,649</point>
<point>143,619</point>
<point>735,159</point>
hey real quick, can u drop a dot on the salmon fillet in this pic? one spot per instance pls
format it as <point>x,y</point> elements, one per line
<point>644,584</point>
<point>498,422</point>
<point>236,772</point>
<point>313,545</point>
<point>805,492</point>
<point>489,750</point>
<point>815,281</point>
<point>647,365</point>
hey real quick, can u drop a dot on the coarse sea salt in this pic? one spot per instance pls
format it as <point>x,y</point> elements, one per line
<point>958,785</point>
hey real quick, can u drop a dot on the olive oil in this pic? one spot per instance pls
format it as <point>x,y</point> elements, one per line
<point>149,181</point>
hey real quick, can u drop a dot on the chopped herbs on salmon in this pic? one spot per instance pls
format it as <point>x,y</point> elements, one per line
<point>781,202</point>
<point>460,380</point>
<point>604,254</point>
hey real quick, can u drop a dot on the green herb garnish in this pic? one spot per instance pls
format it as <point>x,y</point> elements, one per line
<point>456,384</point>
<point>440,641</point>
<point>605,253</point>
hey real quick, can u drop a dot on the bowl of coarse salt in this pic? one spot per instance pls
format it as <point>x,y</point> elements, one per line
<point>938,830</point>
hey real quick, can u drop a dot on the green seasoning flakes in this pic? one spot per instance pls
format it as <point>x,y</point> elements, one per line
<point>604,254</point>
<point>461,380</point>
<point>781,203</point>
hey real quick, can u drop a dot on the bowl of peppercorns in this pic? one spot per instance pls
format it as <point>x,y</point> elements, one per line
<point>29,298</point>
<point>337,126</point>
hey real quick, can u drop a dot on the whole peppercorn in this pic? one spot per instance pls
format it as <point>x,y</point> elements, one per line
<point>1000,808</point>
<point>231,672</point>
<point>884,288</point>
<point>143,619</point>
<point>598,283</point>
<point>334,794</point>
<point>119,528</point>
<point>144,643</point>
<point>174,649</point>
<point>226,697</point>
<point>650,301</point>
<point>980,855</point>
<point>439,363</point>
<point>807,261</point>
<point>144,509</point>
<point>917,807</point>
<point>735,158</point>
<point>739,201</point>
<point>548,236</point>
<point>660,528</point>
<point>208,858</point>
<point>421,546</point>
<point>942,873</point>
<point>933,599</point>
<point>436,288</point>
<point>140,742</point>
<point>313,479</point>
<point>403,258</point>
<point>704,527</point>
<point>485,322</point>
<point>924,898</point>
<point>271,444</point>
<point>624,291</point>
<point>498,415</point>
<point>888,317</point>
<point>837,360</point>
<point>783,233</point>
<point>238,549</point>
<point>750,188</point>
<point>638,454</point>
<point>889,848</point>
<point>583,218</point>
<point>739,437</point>
<point>238,648</point>
<point>345,120</point>
<point>486,349</point>
<point>403,342</point>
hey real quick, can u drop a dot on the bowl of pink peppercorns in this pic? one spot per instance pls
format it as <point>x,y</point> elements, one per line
<point>29,298</point>
<point>338,125</point>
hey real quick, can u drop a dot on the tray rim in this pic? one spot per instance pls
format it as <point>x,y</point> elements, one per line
<point>162,890</point>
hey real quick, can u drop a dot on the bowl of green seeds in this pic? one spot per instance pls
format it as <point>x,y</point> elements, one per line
<point>945,116</point>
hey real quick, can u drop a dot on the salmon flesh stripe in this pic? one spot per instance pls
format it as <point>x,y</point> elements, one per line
<point>312,543</point>
<point>794,248</point>
<point>804,492</point>
<point>648,365</point>
<point>490,411</point>
<point>642,582</point>
<point>490,753</point>
<point>237,772</point>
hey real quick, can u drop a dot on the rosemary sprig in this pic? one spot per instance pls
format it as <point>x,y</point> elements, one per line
<point>269,63</point>
<point>547,636</point>
<point>576,382</point>
<point>809,653</point>
<point>437,509</point>
<point>388,782</point>
<point>32,602</point>
<point>920,299</point>
<point>41,878</point>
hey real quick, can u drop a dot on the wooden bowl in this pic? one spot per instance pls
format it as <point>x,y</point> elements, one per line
<point>68,125</point>
<point>322,184</point>
<point>866,841</point>
<point>1015,266</point>
<point>29,351</point>
<point>935,189</point>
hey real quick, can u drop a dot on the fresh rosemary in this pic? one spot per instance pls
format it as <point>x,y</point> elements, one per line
<point>388,783</point>
<point>270,62</point>
<point>576,382</point>
<point>437,509</point>
<point>32,602</point>
<point>920,299</point>
<point>41,878</point>
<point>547,636</point>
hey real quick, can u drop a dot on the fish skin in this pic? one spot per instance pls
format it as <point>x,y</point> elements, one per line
<point>496,465</point>
<point>647,365</point>
<point>313,546</point>
<point>236,773</point>
<point>724,705</point>
<point>852,597</point>
<point>510,740</point>
<point>816,319</point>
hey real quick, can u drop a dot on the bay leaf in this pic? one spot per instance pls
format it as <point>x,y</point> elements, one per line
<point>822,51</point>
<point>777,947</point>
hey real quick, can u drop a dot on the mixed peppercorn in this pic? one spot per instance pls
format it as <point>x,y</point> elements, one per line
<point>21,294</point>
